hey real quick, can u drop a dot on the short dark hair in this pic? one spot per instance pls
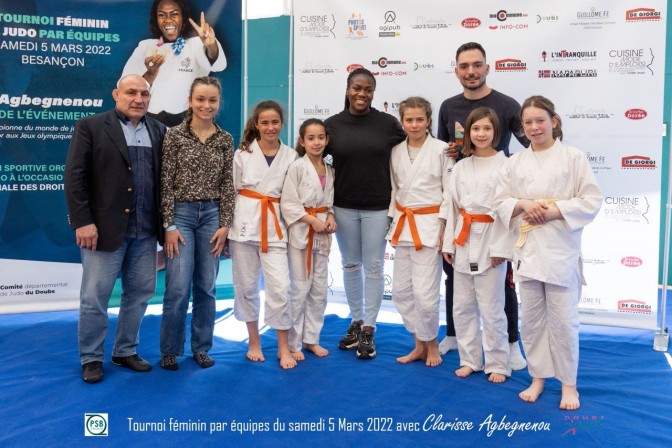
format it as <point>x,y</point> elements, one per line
<point>154,21</point>
<point>469,46</point>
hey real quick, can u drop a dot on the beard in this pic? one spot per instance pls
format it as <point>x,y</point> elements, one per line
<point>481,83</point>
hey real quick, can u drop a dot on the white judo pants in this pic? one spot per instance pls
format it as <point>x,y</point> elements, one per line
<point>477,297</point>
<point>248,264</point>
<point>308,296</point>
<point>550,328</point>
<point>415,289</point>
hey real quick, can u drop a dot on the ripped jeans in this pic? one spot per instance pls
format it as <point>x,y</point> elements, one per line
<point>361,241</point>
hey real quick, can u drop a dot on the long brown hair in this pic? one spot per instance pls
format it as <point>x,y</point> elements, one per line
<point>417,102</point>
<point>251,133</point>
<point>547,105</point>
<point>206,81</point>
<point>300,149</point>
<point>475,115</point>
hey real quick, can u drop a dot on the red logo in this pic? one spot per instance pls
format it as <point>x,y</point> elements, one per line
<point>633,306</point>
<point>471,22</point>
<point>638,162</point>
<point>641,14</point>
<point>510,65</point>
<point>493,27</point>
<point>353,67</point>
<point>635,114</point>
<point>631,262</point>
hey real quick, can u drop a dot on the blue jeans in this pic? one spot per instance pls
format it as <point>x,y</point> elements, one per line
<point>361,240</point>
<point>135,259</point>
<point>195,269</point>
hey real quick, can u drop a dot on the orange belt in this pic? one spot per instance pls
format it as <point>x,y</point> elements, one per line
<point>466,224</point>
<point>266,204</point>
<point>409,213</point>
<point>311,233</point>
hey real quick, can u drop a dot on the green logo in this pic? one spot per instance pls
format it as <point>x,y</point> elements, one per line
<point>95,425</point>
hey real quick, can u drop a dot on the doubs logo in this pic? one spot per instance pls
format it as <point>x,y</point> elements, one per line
<point>633,306</point>
<point>471,22</point>
<point>631,262</point>
<point>635,114</point>
<point>353,67</point>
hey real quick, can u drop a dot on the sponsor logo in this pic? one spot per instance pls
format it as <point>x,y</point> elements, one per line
<point>314,68</point>
<point>641,14</point>
<point>502,15</point>
<point>593,19</point>
<point>631,61</point>
<point>594,13</point>
<point>510,65</point>
<point>390,107</point>
<point>633,306</point>
<point>635,114</point>
<point>95,425</point>
<point>583,424</point>
<point>643,162</point>
<point>427,23</point>
<point>384,62</point>
<point>589,113</point>
<point>578,73</point>
<point>317,26</point>
<point>631,262</point>
<point>352,67</point>
<point>356,27</point>
<point>317,110</point>
<point>547,18</point>
<point>389,28</point>
<point>598,162</point>
<point>471,22</point>
<point>423,66</point>
<point>632,209</point>
<point>567,56</point>
<point>595,261</point>
<point>517,26</point>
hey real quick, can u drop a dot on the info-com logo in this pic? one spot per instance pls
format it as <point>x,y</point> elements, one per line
<point>95,425</point>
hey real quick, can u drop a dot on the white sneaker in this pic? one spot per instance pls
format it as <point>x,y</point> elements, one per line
<point>449,343</point>
<point>516,360</point>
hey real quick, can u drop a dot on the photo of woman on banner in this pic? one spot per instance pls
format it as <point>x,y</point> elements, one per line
<point>179,51</point>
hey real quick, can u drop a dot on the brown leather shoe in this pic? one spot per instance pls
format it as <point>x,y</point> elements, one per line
<point>133,362</point>
<point>92,372</point>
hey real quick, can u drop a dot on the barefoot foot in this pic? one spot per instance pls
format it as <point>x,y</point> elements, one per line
<point>464,371</point>
<point>570,398</point>
<point>254,353</point>
<point>532,393</point>
<point>298,356</point>
<point>286,360</point>
<point>496,378</point>
<point>433,355</point>
<point>317,350</point>
<point>415,354</point>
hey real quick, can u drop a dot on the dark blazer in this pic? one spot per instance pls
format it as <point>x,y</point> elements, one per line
<point>98,179</point>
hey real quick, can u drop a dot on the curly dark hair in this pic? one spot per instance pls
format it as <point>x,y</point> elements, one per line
<point>154,29</point>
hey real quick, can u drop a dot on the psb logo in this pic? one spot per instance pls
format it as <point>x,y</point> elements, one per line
<point>95,425</point>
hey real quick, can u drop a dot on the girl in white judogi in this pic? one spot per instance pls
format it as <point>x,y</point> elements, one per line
<point>307,207</point>
<point>546,194</point>
<point>477,244</point>
<point>257,237</point>
<point>419,208</point>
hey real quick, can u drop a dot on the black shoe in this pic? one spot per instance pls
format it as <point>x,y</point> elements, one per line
<point>351,338</point>
<point>169,362</point>
<point>366,348</point>
<point>92,372</point>
<point>133,362</point>
<point>204,360</point>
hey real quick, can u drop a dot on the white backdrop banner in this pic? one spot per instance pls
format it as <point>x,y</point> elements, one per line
<point>601,63</point>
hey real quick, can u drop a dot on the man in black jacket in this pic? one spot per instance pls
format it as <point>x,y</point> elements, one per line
<point>112,189</point>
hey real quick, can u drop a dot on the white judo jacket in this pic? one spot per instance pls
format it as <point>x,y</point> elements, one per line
<point>552,252</point>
